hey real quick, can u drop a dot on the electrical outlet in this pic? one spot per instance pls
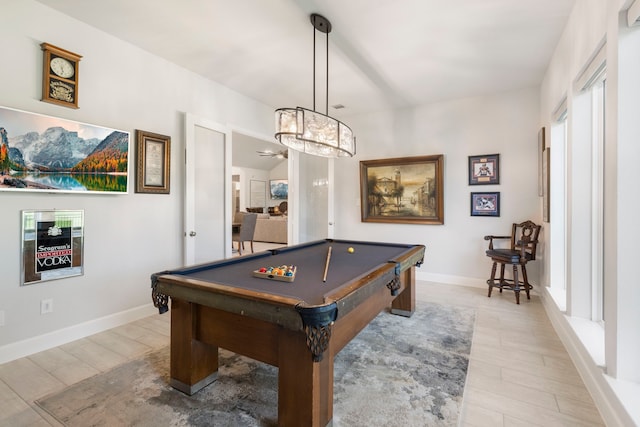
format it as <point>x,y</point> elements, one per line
<point>46,306</point>
<point>1,317</point>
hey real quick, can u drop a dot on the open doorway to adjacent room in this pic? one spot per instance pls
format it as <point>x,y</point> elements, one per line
<point>260,176</point>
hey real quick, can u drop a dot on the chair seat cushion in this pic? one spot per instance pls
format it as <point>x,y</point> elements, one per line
<point>506,256</point>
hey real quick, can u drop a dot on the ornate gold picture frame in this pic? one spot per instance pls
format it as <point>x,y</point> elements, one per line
<point>405,190</point>
<point>153,155</point>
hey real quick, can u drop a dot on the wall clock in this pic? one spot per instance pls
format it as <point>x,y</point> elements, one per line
<point>60,76</point>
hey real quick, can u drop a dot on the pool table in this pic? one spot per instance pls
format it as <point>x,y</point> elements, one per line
<point>298,326</point>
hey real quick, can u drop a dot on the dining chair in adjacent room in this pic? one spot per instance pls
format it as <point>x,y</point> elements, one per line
<point>247,229</point>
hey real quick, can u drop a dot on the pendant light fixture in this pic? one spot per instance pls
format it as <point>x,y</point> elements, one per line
<point>309,131</point>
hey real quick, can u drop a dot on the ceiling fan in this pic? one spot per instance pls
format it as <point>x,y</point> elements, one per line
<point>284,154</point>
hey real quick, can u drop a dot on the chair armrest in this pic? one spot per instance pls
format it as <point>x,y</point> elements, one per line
<point>490,239</point>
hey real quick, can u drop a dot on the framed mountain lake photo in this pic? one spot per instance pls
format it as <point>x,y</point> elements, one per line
<point>48,154</point>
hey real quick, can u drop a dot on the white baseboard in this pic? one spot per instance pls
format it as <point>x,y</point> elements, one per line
<point>607,395</point>
<point>53,339</point>
<point>451,280</point>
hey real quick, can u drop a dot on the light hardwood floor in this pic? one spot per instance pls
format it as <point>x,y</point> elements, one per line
<point>519,372</point>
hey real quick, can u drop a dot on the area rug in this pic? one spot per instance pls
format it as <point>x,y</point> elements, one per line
<point>397,372</point>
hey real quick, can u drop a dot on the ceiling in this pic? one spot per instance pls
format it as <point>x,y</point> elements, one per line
<point>382,54</point>
<point>244,152</point>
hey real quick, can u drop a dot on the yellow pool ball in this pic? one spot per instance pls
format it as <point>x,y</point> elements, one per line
<point>351,250</point>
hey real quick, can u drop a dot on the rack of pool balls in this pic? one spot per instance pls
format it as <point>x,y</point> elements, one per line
<point>284,273</point>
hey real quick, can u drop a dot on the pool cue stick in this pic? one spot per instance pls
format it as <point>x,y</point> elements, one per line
<point>326,265</point>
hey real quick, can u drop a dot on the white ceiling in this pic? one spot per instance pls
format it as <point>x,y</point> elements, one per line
<point>382,53</point>
<point>245,154</point>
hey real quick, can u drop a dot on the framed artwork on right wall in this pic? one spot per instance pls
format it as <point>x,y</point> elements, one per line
<point>485,204</point>
<point>484,169</point>
<point>546,188</point>
<point>541,148</point>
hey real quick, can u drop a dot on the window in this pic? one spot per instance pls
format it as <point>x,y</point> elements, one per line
<point>597,197</point>
<point>558,260</point>
<point>585,175</point>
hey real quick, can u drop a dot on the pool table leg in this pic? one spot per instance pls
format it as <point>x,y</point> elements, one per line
<point>193,364</point>
<point>405,303</point>
<point>305,388</point>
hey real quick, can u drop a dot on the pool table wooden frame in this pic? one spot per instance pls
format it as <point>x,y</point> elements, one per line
<point>269,328</point>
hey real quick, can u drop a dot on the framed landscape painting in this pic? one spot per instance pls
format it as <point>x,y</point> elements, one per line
<point>406,190</point>
<point>47,154</point>
<point>279,189</point>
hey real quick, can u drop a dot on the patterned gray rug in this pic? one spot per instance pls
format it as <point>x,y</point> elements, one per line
<point>397,372</point>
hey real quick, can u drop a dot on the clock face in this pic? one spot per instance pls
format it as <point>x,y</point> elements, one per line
<point>62,67</point>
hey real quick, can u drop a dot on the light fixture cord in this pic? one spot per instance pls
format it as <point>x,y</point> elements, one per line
<point>326,111</point>
<point>314,68</point>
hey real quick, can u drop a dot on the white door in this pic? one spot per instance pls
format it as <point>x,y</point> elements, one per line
<point>312,189</point>
<point>207,191</point>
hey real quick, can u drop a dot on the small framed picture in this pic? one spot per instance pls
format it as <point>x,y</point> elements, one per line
<point>153,154</point>
<point>485,204</point>
<point>484,169</point>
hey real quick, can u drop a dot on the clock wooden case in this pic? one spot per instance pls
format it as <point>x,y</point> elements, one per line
<point>60,76</point>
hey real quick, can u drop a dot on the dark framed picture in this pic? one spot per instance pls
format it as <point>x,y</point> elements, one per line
<point>546,201</point>
<point>152,162</point>
<point>541,148</point>
<point>405,190</point>
<point>484,169</point>
<point>485,204</point>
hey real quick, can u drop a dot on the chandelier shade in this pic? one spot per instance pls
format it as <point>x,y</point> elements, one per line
<point>309,131</point>
<point>314,133</point>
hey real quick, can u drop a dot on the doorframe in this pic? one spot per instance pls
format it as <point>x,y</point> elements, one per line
<point>292,198</point>
<point>331,217</point>
<point>191,121</point>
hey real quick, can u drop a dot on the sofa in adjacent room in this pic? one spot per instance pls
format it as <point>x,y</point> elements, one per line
<point>271,229</point>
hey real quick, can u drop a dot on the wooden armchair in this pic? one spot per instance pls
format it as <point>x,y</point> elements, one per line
<point>524,241</point>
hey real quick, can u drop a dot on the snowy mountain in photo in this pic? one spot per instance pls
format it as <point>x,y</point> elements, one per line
<point>55,148</point>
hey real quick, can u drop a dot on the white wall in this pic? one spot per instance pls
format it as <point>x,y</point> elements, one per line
<point>606,355</point>
<point>505,123</point>
<point>246,176</point>
<point>127,237</point>
<point>249,174</point>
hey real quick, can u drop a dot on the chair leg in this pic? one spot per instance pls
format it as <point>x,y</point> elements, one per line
<point>516,283</point>
<point>501,276</point>
<point>526,280</point>
<point>491,282</point>
<point>251,246</point>
<point>239,248</point>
